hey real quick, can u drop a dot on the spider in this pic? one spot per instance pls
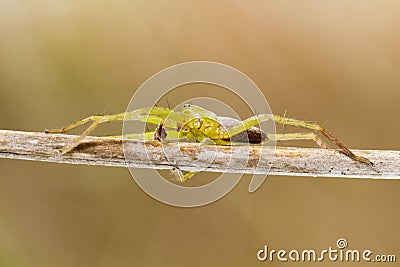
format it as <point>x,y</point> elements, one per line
<point>204,126</point>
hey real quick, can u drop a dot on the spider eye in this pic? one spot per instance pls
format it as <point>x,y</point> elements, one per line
<point>186,106</point>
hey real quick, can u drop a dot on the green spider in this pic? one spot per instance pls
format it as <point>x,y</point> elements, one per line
<point>204,126</point>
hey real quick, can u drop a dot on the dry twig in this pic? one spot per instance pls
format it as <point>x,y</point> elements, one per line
<point>192,157</point>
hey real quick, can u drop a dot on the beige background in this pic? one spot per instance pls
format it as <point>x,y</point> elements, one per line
<point>334,62</point>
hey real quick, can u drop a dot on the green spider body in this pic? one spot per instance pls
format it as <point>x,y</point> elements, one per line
<point>194,122</point>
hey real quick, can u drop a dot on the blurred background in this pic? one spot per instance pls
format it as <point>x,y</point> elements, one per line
<point>334,62</point>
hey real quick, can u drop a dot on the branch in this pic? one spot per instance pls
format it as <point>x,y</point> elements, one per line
<point>194,157</point>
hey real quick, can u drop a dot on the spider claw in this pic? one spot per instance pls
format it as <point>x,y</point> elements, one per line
<point>365,160</point>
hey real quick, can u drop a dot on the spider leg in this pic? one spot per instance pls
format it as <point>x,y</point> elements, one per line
<point>139,115</point>
<point>149,136</point>
<point>297,136</point>
<point>182,177</point>
<point>79,123</point>
<point>150,115</point>
<point>100,120</point>
<point>255,120</point>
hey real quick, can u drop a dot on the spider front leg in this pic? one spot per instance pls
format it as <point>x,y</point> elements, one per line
<point>139,115</point>
<point>255,120</point>
<point>96,121</point>
<point>76,124</point>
